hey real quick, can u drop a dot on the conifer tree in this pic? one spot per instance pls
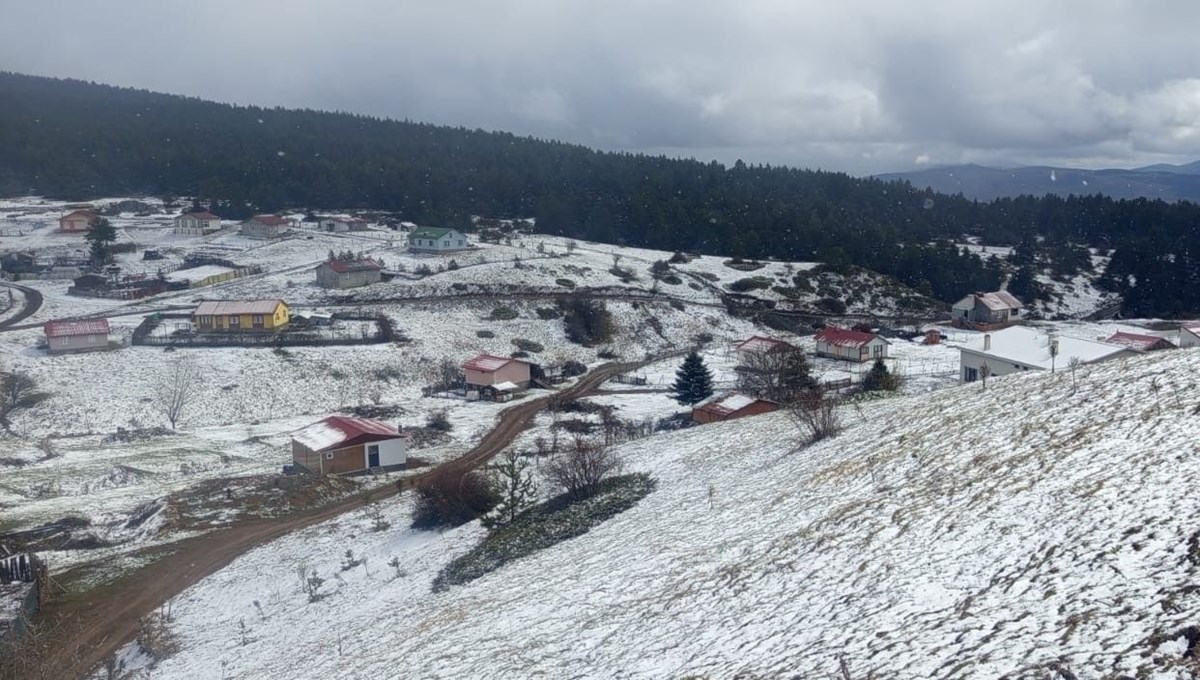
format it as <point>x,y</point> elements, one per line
<point>513,483</point>
<point>693,381</point>
<point>100,237</point>
<point>879,378</point>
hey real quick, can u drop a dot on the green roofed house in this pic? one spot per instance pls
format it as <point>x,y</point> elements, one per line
<point>436,240</point>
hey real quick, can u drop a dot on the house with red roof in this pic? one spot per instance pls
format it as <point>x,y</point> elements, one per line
<point>1189,336</point>
<point>76,335</point>
<point>1139,341</point>
<point>731,407</point>
<point>346,444</point>
<point>197,224</point>
<point>850,345</point>
<point>497,378</point>
<point>77,221</point>
<point>340,274</point>
<point>265,226</point>
<point>758,344</point>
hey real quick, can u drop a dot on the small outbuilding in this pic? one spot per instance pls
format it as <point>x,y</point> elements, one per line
<point>492,372</point>
<point>346,444</point>
<point>1139,341</point>
<point>348,273</point>
<point>731,407</point>
<point>850,345</point>
<point>758,344</point>
<point>76,335</point>
<point>77,221</point>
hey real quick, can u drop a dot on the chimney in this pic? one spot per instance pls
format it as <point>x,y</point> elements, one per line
<point>987,342</point>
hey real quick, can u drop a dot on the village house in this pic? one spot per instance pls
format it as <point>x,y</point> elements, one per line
<point>1018,349</point>
<point>497,378</point>
<point>234,316</point>
<point>197,224</point>
<point>1189,336</point>
<point>1139,341</point>
<point>81,335</point>
<point>850,345</point>
<point>341,274</point>
<point>345,444</point>
<point>77,221</point>
<point>338,225</point>
<point>731,407</point>
<point>758,344</point>
<point>986,310</point>
<point>436,240</point>
<point>265,226</point>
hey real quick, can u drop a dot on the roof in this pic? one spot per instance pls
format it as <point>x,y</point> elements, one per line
<point>218,307</point>
<point>345,266</point>
<point>198,273</point>
<point>730,403</point>
<point>338,431</point>
<point>429,232</point>
<point>269,220</point>
<point>67,327</point>
<point>489,362</point>
<point>758,343</point>
<point>506,386</point>
<point>995,301</point>
<point>80,213</point>
<point>1142,343</point>
<point>1031,347</point>
<point>844,337</point>
<point>202,215</point>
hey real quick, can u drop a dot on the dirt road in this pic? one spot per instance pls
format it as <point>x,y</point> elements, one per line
<point>33,302</point>
<point>108,618</point>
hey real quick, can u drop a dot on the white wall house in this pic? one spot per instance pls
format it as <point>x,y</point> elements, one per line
<point>197,224</point>
<point>1189,336</point>
<point>437,240</point>
<point>1018,349</point>
<point>850,345</point>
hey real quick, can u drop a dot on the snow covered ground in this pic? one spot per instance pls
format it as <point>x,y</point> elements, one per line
<point>958,534</point>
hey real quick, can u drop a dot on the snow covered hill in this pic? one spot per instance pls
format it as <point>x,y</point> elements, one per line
<point>1038,529</point>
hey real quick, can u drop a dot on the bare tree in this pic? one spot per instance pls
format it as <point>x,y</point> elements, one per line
<point>581,469</point>
<point>817,415</point>
<point>177,389</point>
<point>984,372</point>
<point>781,376</point>
<point>18,391</point>
<point>1074,363</point>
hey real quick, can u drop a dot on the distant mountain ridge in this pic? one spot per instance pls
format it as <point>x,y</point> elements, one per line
<point>1164,181</point>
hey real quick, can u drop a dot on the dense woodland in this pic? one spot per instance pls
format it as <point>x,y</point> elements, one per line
<point>78,140</point>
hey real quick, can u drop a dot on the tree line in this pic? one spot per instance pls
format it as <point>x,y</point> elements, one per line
<point>79,140</point>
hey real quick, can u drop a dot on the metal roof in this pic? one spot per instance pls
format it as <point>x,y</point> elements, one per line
<point>269,220</point>
<point>71,327</point>
<point>844,337</point>
<point>345,266</point>
<point>758,343</point>
<point>337,431</point>
<point>731,403</point>
<point>220,307</point>
<point>1138,341</point>
<point>489,362</point>
<point>429,232</point>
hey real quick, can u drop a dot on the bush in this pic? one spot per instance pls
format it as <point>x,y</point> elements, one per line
<point>818,416</point>
<point>423,270</point>
<point>459,286</point>
<point>607,353</point>
<point>831,305</point>
<point>565,283</point>
<point>528,345</point>
<point>439,421</point>
<point>452,265</point>
<point>678,305</point>
<point>749,284</point>
<point>448,498</point>
<point>742,265</point>
<point>548,313</point>
<point>587,322</point>
<point>520,354</point>
<point>573,368</point>
<point>671,280</point>
<point>484,333</point>
<point>503,314</point>
<point>580,470</point>
<point>678,258</point>
<point>558,519</point>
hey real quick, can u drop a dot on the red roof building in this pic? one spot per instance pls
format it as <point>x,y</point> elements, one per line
<point>76,335</point>
<point>850,345</point>
<point>1142,343</point>
<point>341,444</point>
<point>487,370</point>
<point>731,407</point>
<point>758,344</point>
<point>77,221</point>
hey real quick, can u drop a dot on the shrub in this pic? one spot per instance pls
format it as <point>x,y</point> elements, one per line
<point>459,286</point>
<point>548,313</point>
<point>439,421</point>
<point>607,353</point>
<point>573,368</point>
<point>660,269</point>
<point>818,416</point>
<point>710,276</point>
<point>678,258</point>
<point>671,280</point>
<point>587,322</point>
<point>831,305</point>
<point>565,283</point>
<point>625,275</point>
<point>678,305</point>
<point>503,314</point>
<point>452,265</point>
<point>519,354</point>
<point>558,519</point>
<point>749,284</point>
<point>449,497</point>
<point>579,470</point>
<point>484,333</point>
<point>528,345</point>
<point>423,270</point>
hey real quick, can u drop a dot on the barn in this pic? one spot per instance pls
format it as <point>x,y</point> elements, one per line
<point>345,444</point>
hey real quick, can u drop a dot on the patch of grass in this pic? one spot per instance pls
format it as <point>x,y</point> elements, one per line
<point>503,314</point>
<point>528,345</point>
<point>558,519</point>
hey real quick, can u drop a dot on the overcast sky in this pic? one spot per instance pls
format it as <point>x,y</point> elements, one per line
<point>869,86</point>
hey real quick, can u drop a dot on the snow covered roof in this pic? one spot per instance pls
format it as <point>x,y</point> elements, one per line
<point>338,431</point>
<point>198,273</point>
<point>506,386</point>
<point>844,337</point>
<point>995,301</point>
<point>489,362</point>
<point>429,232</point>
<point>345,266</point>
<point>730,403</point>
<point>218,307</point>
<point>761,345</point>
<point>1032,347</point>
<point>80,213</point>
<point>1142,343</point>
<point>202,215</point>
<point>269,220</point>
<point>71,327</point>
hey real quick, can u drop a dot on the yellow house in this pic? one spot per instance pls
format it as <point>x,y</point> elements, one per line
<point>251,316</point>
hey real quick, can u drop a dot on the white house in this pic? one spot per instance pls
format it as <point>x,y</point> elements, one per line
<point>340,225</point>
<point>436,240</point>
<point>1017,349</point>
<point>345,444</point>
<point>986,309</point>
<point>850,345</point>
<point>265,226</point>
<point>197,224</point>
<point>1189,336</point>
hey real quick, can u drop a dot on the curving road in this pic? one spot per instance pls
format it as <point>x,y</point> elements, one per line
<point>33,302</point>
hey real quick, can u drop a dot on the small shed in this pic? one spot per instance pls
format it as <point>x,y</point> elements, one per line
<point>345,444</point>
<point>758,344</point>
<point>731,407</point>
<point>850,345</point>
<point>76,335</point>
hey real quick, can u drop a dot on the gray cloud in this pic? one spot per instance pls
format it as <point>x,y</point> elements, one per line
<point>871,86</point>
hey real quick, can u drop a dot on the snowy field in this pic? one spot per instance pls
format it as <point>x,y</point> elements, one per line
<point>959,534</point>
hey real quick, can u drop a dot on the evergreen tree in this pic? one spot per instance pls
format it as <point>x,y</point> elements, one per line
<point>796,377</point>
<point>100,237</point>
<point>879,378</point>
<point>693,381</point>
<point>513,483</point>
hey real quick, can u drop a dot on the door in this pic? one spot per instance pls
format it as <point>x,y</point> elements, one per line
<point>372,455</point>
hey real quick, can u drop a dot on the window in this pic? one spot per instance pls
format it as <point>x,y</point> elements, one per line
<point>234,321</point>
<point>877,351</point>
<point>460,242</point>
<point>446,243</point>
<point>373,449</point>
<point>970,374</point>
<point>329,455</point>
<point>257,320</point>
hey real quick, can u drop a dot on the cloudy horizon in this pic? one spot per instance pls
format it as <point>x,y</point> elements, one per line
<point>876,87</point>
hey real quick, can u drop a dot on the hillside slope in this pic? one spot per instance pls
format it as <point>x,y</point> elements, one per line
<point>1034,526</point>
<point>1166,182</point>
